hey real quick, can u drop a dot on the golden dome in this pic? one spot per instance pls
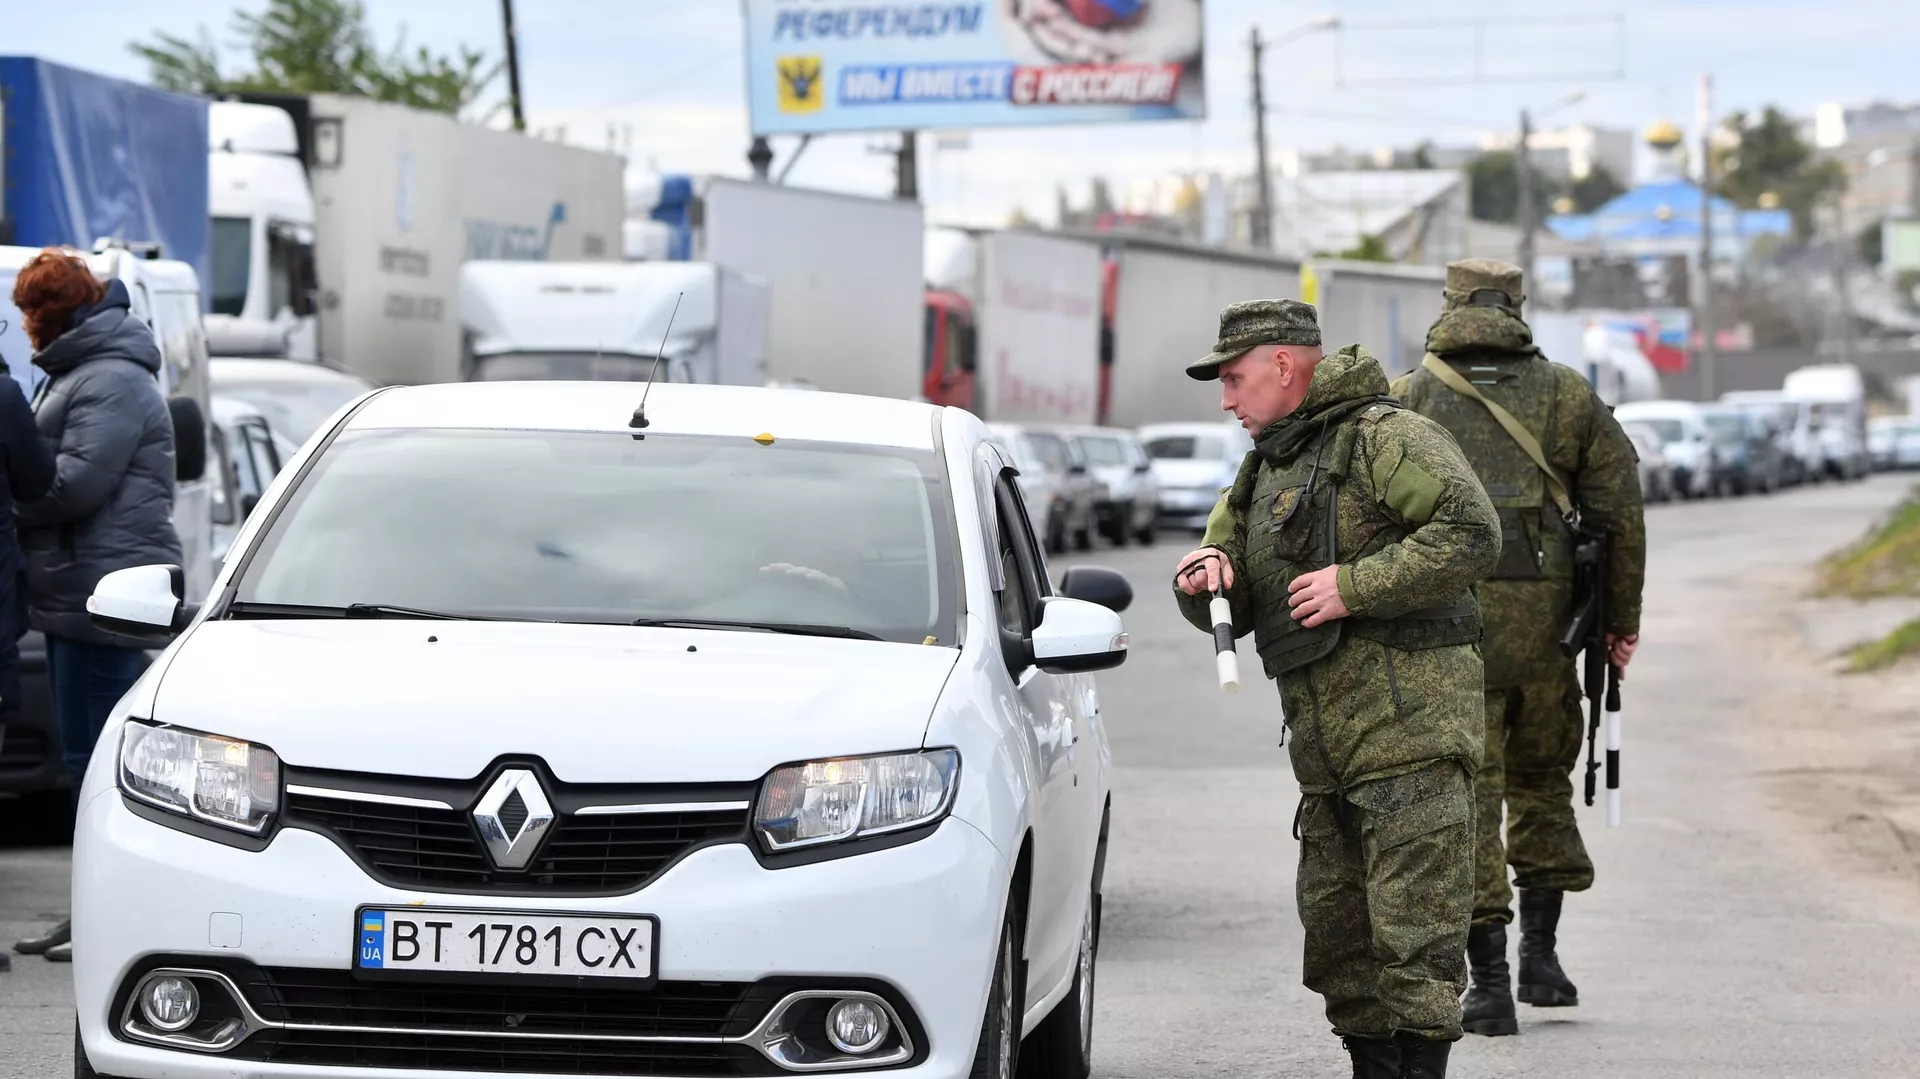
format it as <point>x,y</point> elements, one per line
<point>1663,135</point>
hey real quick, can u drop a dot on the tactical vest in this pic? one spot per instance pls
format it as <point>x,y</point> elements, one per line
<point>1305,516</point>
<point>1535,544</point>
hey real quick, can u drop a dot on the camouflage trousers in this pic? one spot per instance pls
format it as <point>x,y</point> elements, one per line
<point>1385,892</point>
<point>1533,738</point>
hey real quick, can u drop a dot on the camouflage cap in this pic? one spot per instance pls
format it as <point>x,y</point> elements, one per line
<point>1257,322</point>
<point>1468,276</point>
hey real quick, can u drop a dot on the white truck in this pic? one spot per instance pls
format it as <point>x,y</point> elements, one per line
<point>1014,322</point>
<point>1838,394</point>
<point>845,277</point>
<point>609,320</point>
<point>346,223</point>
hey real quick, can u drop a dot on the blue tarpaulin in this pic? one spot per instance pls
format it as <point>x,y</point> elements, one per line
<point>89,156</point>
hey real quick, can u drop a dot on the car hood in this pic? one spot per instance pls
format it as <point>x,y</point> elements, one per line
<point>600,704</point>
<point>1177,473</point>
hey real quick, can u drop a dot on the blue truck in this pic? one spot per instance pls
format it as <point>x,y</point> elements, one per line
<point>118,171</point>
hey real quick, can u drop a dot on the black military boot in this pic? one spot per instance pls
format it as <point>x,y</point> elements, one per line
<point>1422,1058</point>
<point>1373,1058</point>
<point>1542,983</point>
<point>1488,1006</point>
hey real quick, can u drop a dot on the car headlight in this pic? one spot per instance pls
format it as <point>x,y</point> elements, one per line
<point>831,801</point>
<point>222,781</point>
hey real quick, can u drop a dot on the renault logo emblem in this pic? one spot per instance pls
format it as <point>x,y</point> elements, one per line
<point>512,817</point>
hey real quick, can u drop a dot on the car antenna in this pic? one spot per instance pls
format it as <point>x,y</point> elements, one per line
<point>639,419</point>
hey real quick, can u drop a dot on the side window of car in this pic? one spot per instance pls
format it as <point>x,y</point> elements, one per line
<point>1023,567</point>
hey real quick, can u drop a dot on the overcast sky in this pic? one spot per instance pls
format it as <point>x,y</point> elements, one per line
<point>671,69</point>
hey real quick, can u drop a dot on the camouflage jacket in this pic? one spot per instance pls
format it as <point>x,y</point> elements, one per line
<point>1577,432</point>
<point>1412,531</point>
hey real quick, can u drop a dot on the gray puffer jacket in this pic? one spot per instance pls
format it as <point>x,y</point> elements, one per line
<point>111,505</point>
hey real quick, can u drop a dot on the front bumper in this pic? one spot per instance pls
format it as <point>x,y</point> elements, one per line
<point>916,923</point>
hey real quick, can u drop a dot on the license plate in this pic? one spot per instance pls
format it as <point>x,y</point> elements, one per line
<point>505,942</point>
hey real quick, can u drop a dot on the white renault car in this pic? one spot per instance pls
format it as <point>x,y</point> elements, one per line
<point>525,733</point>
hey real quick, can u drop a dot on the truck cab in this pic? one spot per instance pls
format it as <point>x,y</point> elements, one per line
<point>262,230</point>
<point>950,358</point>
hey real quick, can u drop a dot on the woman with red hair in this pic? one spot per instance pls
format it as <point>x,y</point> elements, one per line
<point>110,506</point>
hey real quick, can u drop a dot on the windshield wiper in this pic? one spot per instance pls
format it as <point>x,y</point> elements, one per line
<point>799,628</point>
<point>249,609</point>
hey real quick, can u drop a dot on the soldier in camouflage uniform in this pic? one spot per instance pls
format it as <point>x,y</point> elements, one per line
<point>1348,545</point>
<point>1533,721</point>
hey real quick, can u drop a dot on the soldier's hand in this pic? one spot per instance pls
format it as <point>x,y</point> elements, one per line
<point>1205,570</point>
<point>1315,597</point>
<point>1620,650</point>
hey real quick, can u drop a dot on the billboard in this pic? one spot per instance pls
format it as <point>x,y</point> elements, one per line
<point>817,66</point>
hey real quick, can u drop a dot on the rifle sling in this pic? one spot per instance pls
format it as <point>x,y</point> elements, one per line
<point>1456,382</point>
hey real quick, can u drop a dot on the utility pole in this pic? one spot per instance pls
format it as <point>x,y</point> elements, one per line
<point>1262,232</point>
<point>1709,354</point>
<point>513,68</point>
<point>1839,245</point>
<point>906,177</point>
<point>1523,175</point>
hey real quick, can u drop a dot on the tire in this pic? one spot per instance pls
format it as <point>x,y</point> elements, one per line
<point>997,1055</point>
<point>1057,533</point>
<point>1083,539</point>
<point>1061,1047</point>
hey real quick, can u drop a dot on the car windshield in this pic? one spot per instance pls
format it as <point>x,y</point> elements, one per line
<point>1726,427</point>
<point>1050,450</point>
<point>1186,448</point>
<point>604,528</point>
<point>1103,451</point>
<point>294,409</point>
<point>1664,430</point>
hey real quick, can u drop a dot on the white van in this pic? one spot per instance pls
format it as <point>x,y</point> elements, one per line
<point>1838,394</point>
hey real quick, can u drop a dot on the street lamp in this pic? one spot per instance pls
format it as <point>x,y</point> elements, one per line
<point>1523,172</point>
<point>1263,220</point>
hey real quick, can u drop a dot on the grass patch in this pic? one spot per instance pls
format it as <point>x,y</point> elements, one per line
<point>1886,651</point>
<point>1886,562</point>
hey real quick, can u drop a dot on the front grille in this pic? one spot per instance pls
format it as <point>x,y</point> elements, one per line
<point>328,997</point>
<point>317,997</point>
<point>548,1056</point>
<point>421,847</point>
<point>22,748</point>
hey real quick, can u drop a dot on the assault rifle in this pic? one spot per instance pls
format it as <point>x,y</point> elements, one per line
<point>1586,636</point>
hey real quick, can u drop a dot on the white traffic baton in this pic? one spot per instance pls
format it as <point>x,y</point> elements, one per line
<point>1613,746</point>
<point>1225,657</point>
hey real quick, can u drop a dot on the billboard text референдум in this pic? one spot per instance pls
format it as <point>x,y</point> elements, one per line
<point>818,66</point>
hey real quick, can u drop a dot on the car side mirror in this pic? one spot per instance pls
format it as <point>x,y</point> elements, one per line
<point>145,602</point>
<point>1075,637</point>
<point>1143,467</point>
<point>1096,584</point>
<point>189,439</point>
<point>1076,470</point>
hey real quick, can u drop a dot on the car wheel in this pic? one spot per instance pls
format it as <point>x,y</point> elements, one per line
<point>1083,539</point>
<point>1061,1047</point>
<point>999,1049</point>
<point>1057,534</point>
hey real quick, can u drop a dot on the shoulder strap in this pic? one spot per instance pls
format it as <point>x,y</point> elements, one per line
<point>1458,384</point>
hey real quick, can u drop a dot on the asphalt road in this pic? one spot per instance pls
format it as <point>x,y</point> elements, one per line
<point>1721,940</point>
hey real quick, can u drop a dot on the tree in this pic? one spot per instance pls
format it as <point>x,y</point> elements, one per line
<point>1872,250</point>
<point>1772,159</point>
<point>319,46</point>
<point>1019,219</point>
<point>1423,156</point>
<point>1062,210</point>
<point>1595,189</point>
<point>1495,190</point>
<point>1371,248</point>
